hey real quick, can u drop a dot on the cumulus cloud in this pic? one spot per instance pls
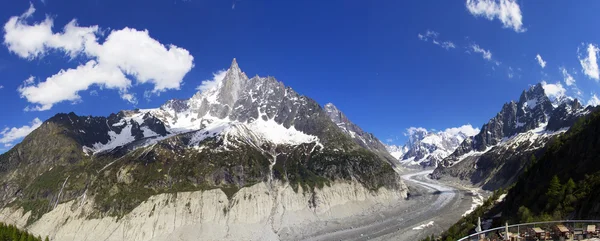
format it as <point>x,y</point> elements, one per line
<point>486,54</point>
<point>433,36</point>
<point>65,85</point>
<point>589,63</point>
<point>568,78</point>
<point>594,101</point>
<point>468,130</point>
<point>540,61</point>
<point>124,54</point>
<point>32,41</point>
<point>9,135</point>
<point>214,82</point>
<point>507,11</point>
<point>413,130</point>
<point>554,91</point>
<point>465,129</point>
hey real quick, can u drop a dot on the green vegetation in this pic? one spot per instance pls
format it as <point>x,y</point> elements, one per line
<point>563,183</point>
<point>12,233</point>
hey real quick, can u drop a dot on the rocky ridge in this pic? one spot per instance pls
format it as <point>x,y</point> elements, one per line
<point>498,153</point>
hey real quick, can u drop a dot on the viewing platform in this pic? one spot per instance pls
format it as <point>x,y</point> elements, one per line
<point>551,230</point>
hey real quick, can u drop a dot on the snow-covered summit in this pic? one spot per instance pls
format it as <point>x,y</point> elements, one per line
<point>260,107</point>
<point>426,147</point>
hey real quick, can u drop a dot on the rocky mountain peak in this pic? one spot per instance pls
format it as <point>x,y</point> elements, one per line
<point>231,85</point>
<point>534,113</point>
<point>415,135</point>
<point>335,114</point>
<point>234,64</point>
<point>535,98</point>
<point>534,91</point>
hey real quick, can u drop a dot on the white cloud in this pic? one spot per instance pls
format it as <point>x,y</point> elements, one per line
<point>214,82</point>
<point>10,135</point>
<point>32,41</point>
<point>428,35</point>
<point>540,61</point>
<point>412,130</point>
<point>65,85</point>
<point>433,35</point>
<point>126,53</point>
<point>554,91</point>
<point>569,80</point>
<point>465,129</point>
<point>29,81</point>
<point>486,54</point>
<point>1,87</point>
<point>589,64</point>
<point>94,93</point>
<point>511,73</point>
<point>447,45</point>
<point>594,101</point>
<point>507,11</point>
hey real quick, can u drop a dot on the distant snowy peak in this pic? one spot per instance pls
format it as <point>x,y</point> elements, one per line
<point>426,148</point>
<point>396,151</point>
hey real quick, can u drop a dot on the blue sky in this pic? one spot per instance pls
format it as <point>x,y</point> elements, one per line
<point>375,60</point>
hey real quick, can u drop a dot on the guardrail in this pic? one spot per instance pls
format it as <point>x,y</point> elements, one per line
<point>577,231</point>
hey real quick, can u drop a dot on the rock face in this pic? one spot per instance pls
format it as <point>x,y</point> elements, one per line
<point>258,212</point>
<point>364,139</point>
<point>494,157</point>
<point>242,133</point>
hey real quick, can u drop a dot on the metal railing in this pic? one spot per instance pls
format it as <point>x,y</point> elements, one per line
<point>578,227</point>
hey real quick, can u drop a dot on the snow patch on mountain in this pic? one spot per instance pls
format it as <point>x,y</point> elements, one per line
<point>116,140</point>
<point>257,132</point>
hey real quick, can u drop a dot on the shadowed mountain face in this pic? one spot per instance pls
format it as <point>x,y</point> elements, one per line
<point>241,132</point>
<point>362,138</point>
<point>497,155</point>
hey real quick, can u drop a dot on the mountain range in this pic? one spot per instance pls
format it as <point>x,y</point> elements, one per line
<point>495,156</point>
<point>250,149</point>
<point>427,148</point>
